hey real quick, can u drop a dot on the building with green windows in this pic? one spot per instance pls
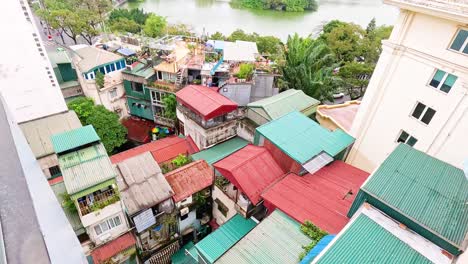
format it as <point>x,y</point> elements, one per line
<point>65,73</point>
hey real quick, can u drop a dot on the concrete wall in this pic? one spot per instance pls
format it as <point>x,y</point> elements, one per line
<point>98,216</point>
<point>190,221</point>
<point>263,87</point>
<point>246,129</point>
<point>217,215</point>
<point>237,92</point>
<point>110,234</point>
<point>205,138</point>
<point>47,162</point>
<point>72,91</point>
<point>407,64</point>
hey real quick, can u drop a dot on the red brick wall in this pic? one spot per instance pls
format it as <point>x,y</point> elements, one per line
<point>284,161</point>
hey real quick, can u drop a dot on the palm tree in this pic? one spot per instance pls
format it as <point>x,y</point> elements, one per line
<point>309,66</point>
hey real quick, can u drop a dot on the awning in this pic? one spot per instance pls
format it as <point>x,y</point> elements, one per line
<point>318,162</point>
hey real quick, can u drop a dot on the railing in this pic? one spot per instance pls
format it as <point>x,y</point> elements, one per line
<point>164,121</point>
<point>210,123</point>
<point>100,201</point>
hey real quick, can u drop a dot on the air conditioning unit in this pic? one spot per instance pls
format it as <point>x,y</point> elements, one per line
<point>184,211</point>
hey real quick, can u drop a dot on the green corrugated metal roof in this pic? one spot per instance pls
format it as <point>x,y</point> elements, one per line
<point>141,70</point>
<point>223,238</point>
<point>220,151</point>
<point>74,138</point>
<point>301,138</point>
<point>73,218</point>
<point>277,239</point>
<point>432,193</point>
<point>86,168</point>
<point>367,242</point>
<point>284,103</point>
<point>181,258</point>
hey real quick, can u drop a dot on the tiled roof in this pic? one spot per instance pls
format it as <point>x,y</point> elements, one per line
<point>92,57</point>
<point>372,237</point>
<point>223,238</point>
<point>38,132</point>
<point>162,150</point>
<point>323,198</point>
<point>190,179</point>
<point>251,169</point>
<point>205,101</point>
<point>58,187</point>
<point>221,150</point>
<point>277,239</point>
<point>142,183</point>
<point>112,248</point>
<point>73,139</point>
<point>301,138</point>
<point>283,103</point>
<point>85,168</point>
<point>430,192</point>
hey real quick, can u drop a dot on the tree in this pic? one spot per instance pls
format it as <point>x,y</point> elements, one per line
<point>217,36</point>
<point>355,78</point>
<point>268,45</point>
<point>100,79</point>
<point>371,26</point>
<point>170,104</point>
<point>245,71</point>
<point>123,24</point>
<point>137,15</point>
<point>106,123</point>
<point>179,29</point>
<point>309,66</point>
<point>155,26</point>
<point>345,40</point>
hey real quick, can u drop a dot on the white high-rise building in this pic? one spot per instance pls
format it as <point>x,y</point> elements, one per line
<point>418,93</point>
<point>27,79</point>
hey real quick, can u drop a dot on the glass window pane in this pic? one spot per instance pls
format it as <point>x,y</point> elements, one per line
<point>104,226</point>
<point>418,110</point>
<point>97,229</point>
<point>465,50</point>
<point>437,78</point>
<point>411,141</point>
<point>111,223</point>
<point>459,40</point>
<point>403,137</point>
<point>428,116</point>
<point>122,64</point>
<point>449,82</point>
<point>117,221</point>
<point>102,70</point>
<point>108,69</point>
<point>112,67</point>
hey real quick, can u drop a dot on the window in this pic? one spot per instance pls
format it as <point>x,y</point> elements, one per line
<point>137,87</point>
<point>113,93</point>
<point>102,70</point>
<point>107,225</point>
<point>118,66</point>
<point>460,43</point>
<point>55,171</point>
<point>183,217</point>
<point>443,81</point>
<point>108,68</point>
<point>156,97</point>
<point>122,64</point>
<point>404,137</point>
<point>423,113</point>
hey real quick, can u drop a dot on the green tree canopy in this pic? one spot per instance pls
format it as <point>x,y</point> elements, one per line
<point>106,123</point>
<point>170,104</point>
<point>217,36</point>
<point>245,71</point>
<point>268,45</point>
<point>345,40</point>
<point>155,26</point>
<point>135,14</point>
<point>309,66</point>
<point>355,78</point>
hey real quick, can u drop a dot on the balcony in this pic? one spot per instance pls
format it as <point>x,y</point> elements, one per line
<point>97,201</point>
<point>158,119</point>
<point>207,124</point>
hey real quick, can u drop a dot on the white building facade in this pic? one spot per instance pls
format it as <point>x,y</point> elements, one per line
<point>418,93</point>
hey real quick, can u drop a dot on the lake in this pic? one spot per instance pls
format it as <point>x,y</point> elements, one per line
<point>211,16</point>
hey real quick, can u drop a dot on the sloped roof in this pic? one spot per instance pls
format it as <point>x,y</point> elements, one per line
<point>342,115</point>
<point>323,198</point>
<point>85,168</point>
<point>190,179</point>
<point>59,189</point>
<point>251,169</point>
<point>372,237</point>
<point>58,57</point>
<point>142,183</point>
<point>73,139</point>
<point>430,192</point>
<point>112,248</point>
<point>92,57</point>
<point>283,103</point>
<point>277,239</point>
<point>38,132</point>
<point>221,150</point>
<point>205,101</point>
<point>301,138</point>
<point>222,239</point>
<point>140,69</point>
<point>240,51</point>
<point>162,150</point>
<point>138,130</point>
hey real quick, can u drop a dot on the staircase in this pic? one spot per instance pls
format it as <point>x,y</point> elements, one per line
<point>180,76</point>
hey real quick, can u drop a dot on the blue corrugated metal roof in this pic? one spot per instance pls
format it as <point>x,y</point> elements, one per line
<point>126,52</point>
<point>317,249</point>
<point>301,138</point>
<point>74,138</point>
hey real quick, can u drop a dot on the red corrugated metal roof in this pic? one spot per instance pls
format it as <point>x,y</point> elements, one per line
<point>251,169</point>
<point>139,130</point>
<point>321,198</point>
<point>112,248</point>
<point>190,179</point>
<point>55,180</point>
<point>163,150</point>
<point>205,101</point>
<point>193,147</point>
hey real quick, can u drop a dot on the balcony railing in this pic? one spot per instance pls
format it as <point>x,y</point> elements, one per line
<point>209,123</point>
<point>164,121</point>
<point>100,201</point>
